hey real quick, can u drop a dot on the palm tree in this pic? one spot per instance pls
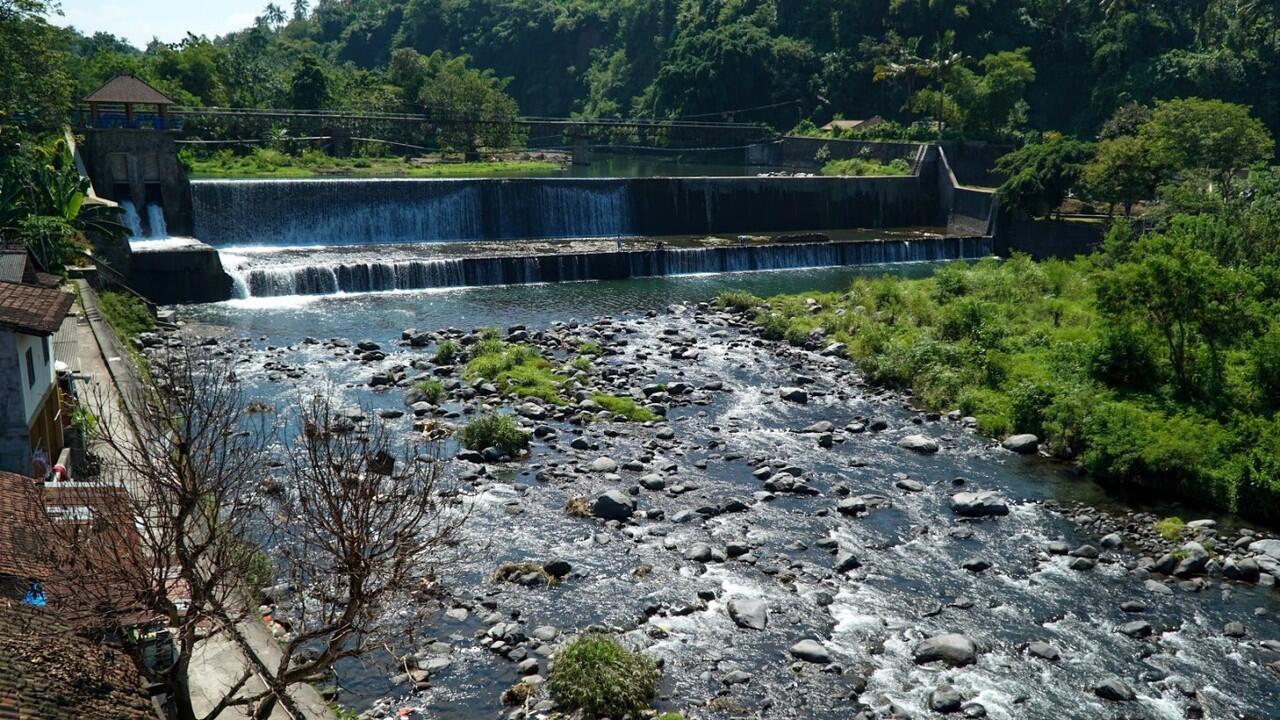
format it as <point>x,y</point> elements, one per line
<point>940,68</point>
<point>273,15</point>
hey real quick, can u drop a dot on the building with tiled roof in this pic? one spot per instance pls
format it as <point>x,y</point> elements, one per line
<point>49,673</point>
<point>31,421</point>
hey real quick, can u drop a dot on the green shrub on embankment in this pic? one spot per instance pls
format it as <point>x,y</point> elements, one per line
<point>1079,353</point>
<point>127,315</point>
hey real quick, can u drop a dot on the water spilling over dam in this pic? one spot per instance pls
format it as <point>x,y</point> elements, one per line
<point>368,275</point>
<point>343,212</point>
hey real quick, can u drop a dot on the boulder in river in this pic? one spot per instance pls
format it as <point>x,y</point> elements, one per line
<point>978,504</point>
<point>794,394</point>
<point>945,699</point>
<point>1115,690</point>
<point>749,613</point>
<point>810,651</point>
<point>919,443</point>
<point>1024,444</point>
<point>613,505</point>
<point>952,649</point>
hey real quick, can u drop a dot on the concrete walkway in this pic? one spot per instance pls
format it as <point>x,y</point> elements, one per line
<point>103,367</point>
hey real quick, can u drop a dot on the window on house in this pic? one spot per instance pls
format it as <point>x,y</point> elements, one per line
<point>31,368</point>
<point>44,345</point>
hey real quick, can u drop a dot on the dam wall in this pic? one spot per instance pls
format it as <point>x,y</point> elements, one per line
<point>338,212</point>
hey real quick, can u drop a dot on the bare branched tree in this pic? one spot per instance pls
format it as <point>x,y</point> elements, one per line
<point>178,523</point>
<point>365,525</point>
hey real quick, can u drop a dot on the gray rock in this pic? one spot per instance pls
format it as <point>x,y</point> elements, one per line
<point>1112,541</point>
<point>749,613</point>
<point>952,649</point>
<point>603,465</point>
<point>736,677</point>
<point>794,394</point>
<point>810,651</point>
<point>846,562</point>
<point>1115,690</point>
<point>1270,548</point>
<point>1157,588</point>
<point>1193,561</point>
<point>1044,651</point>
<point>919,443</point>
<point>1135,629</point>
<point>1024,444</point>
<point>613,505</point>
<point>822,426</point>
<point>978,504</point>
<point>1234,630</point>
<point>945,699</point>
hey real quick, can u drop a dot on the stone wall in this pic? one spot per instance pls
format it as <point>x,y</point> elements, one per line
<point>15,448</point>
<point>139,160</point>
<point>190,273</point>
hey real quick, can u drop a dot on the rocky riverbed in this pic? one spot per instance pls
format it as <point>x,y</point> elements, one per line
<point>791,542</point>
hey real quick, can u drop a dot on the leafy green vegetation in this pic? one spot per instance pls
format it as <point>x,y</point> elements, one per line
<point>929,68</point>
<point>268,162</point>
<point>624,407</point>
<point>431,389</point>
<point>494,430</point>
<point>596,674</point>
<point>126,313</point>
<point>582,362</point>
<point>1152,363</point>
<point>447,353</point>
<point>1171,528</point>
<point>516,369</point>
<point>860,167</point>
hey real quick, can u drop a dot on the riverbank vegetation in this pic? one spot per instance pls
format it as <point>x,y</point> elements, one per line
<point>127,314</point>
<point>1155,363</point>
<point>271,163</point>
<point>857,167</point>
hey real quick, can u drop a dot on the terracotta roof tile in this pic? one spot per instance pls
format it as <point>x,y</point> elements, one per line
<point>47,672</point>
<point>33,309</point>
<point>21,545</point>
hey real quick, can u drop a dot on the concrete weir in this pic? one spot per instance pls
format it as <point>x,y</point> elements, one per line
<point>550,267</point>
<point>336,212</point>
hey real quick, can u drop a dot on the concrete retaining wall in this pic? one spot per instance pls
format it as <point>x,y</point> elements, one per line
<point>187,274</point>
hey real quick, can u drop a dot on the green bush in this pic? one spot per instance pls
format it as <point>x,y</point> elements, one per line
<point>1171,528</point>
<point>582,362</point>
<point>857,167</point>
<point>1264,363</point>
<point>739,300</point>
<point>516,369</point>
<point>127,315</point>
<point>589,348</point>
<point>431,389</point>
<point>596,674</point>
<point>624,407</point>
<point>494,430</point>
<point>446,353</point>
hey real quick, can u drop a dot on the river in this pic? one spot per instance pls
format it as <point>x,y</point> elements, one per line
<point>730,435</point>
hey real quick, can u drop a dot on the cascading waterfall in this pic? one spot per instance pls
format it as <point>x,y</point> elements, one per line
<point>328,279</point>
<point>155,228</point>
<point>356,212</point>
<point>131,219</point>
<point>155,221</point>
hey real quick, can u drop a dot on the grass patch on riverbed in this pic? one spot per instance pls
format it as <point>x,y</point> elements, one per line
<point>1029,347</point>
<point>624,407</point>
<point>515,369</point>
<point>268,163</point>
<point>596,674</point>
<point>494,430</point>
<point>1171,528</point>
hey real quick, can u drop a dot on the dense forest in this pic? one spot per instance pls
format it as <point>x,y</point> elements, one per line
<point>989,68</point>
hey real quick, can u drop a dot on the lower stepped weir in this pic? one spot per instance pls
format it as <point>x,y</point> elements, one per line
<point>364,277</point>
